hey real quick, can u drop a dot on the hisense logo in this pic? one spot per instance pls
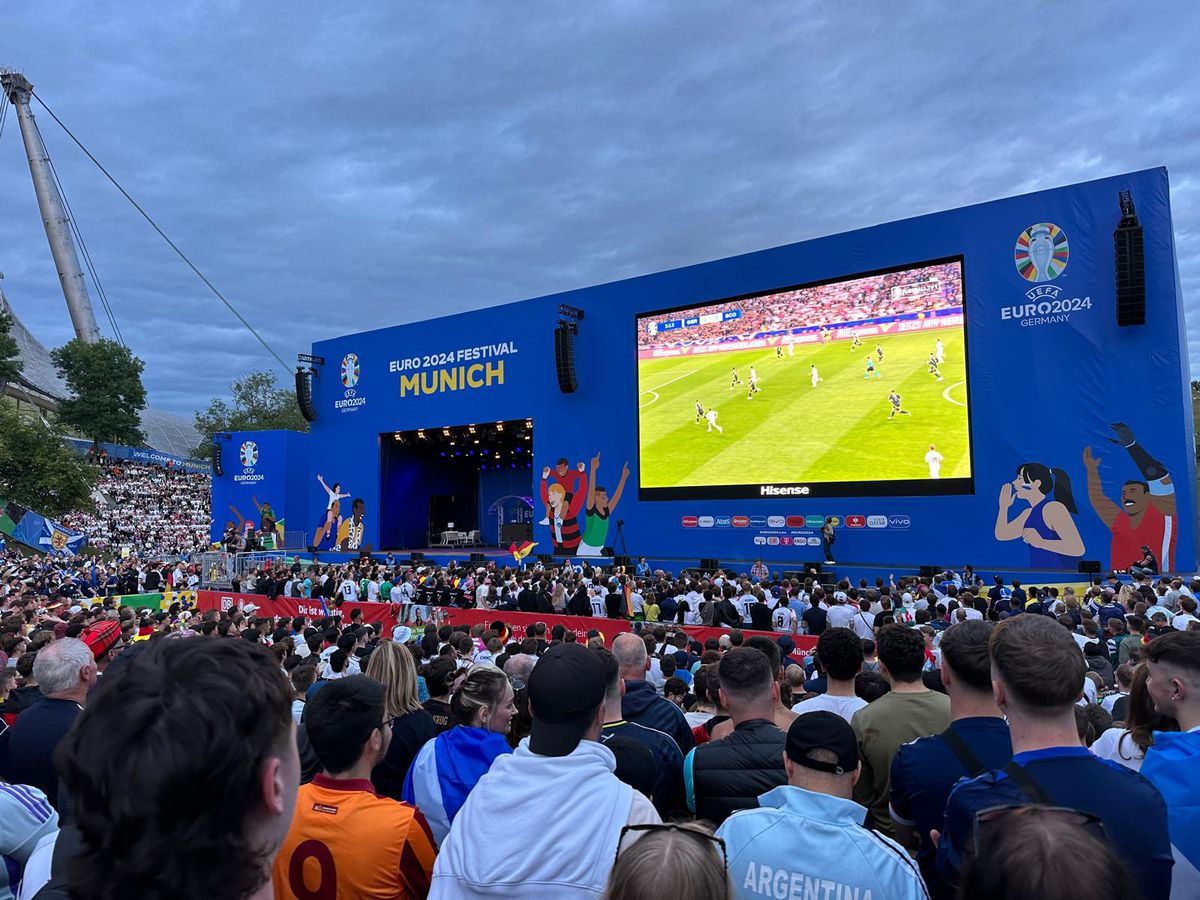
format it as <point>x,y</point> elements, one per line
<point>771,490</point>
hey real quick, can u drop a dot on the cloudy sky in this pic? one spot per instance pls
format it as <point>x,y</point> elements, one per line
<point>338,167</point>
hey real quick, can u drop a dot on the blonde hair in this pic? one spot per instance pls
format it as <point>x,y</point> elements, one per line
<point>673,860</point>
<point>392,666</point>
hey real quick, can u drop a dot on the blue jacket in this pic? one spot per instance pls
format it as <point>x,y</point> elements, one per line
<point>799,843</point>
<point>1170,765</point>
<point>642,704</point>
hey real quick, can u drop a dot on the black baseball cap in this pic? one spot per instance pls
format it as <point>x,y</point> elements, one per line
<point>823,730</point>
<point>565,688</point>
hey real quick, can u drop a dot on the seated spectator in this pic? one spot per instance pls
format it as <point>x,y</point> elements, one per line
<point>683,860</point>
<point>449,766</point>
<point>807,838</point>
<point>1043,854</point>
<point>569,853</point>
<point>174,799</point>
<point>66,671</point>
<point>641,702</point>
<point>727,775</point>
<point>977,741</point>
<point>908,711</point>
<point>346,840</point>
<point>841,654</point>
<point>667,789</point>
<point>1036,673</point>
<point>1173,682</point>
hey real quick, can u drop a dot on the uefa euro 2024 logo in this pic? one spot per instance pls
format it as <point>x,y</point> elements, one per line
<point>249,453</point>
<point>1041,252</point>
<point>350,370</point>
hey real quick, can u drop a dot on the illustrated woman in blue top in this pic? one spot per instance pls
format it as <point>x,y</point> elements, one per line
<point>1048,525</point>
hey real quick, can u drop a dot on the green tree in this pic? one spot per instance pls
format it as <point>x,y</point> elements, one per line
<point>106,381</point>
<point>258,404</point>
<point>10,363</point>
<point>39,470</point>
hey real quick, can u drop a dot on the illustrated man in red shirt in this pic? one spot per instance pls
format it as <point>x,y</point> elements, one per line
<point>1146,512</point>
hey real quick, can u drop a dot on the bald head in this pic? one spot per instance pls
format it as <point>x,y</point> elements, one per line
<point>629,650</point>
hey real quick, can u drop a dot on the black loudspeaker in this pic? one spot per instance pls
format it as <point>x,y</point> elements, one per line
<point>478,558</point>
<point>545,559</point>
<point>1130,255</point>
<point>564,358</point>
<point>708,564</point>
<point>930,571</point>
<point>622,561</point>
<point>218,469</point>
<point>304,395</point>
<point>1089,567</point>
<point>416,557</point>
<point>792,575</point>
<point>814,568</point>
<point>515,533</point>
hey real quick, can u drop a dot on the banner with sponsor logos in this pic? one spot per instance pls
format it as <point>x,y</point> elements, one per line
<point>995,413</point>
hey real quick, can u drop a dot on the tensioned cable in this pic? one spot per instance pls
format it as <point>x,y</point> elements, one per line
<point>170,243</point>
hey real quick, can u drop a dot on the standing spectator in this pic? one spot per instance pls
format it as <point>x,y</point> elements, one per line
<point>346,840</point>
<point>1037,673</point>
<point>66,671</point>
<point>679,860</point>
<point>807,835</point>
<point>449,766</point>
<point>977,741</point>
<point>145,751</point>
<point>906,712</point>
<point>667,790</point>
<point>816,617</point>
<point>727,775</point>
<point>841,654</point>
<point>641,702</point>
<point>392,666</point>
<point>26,818</point>
<point>1173,682</point>
<point>569,853</point>
<point>1128,745</point>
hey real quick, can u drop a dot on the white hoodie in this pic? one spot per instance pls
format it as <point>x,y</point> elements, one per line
<point>563,850</point>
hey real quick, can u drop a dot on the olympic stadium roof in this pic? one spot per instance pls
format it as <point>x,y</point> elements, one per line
<point>165,432</point>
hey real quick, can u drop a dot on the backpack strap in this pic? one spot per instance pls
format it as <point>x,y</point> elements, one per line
<point>963,751</point>
<point>1028,784</point>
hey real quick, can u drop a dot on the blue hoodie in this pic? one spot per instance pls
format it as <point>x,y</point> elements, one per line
<point>643,705</point>
<point>799,843</point>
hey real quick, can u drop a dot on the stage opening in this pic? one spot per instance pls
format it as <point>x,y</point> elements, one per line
<point>457,486</point>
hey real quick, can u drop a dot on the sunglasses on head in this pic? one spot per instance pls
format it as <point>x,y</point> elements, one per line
<point>987,819</point>
<point>671,826</point>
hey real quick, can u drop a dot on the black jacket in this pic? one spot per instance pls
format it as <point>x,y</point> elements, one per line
<point>641,704</point>
<point>527,601</point>
<point>760,616</point>
<point>579,604</point>
<point>726,615</point>
<point>730,774</point>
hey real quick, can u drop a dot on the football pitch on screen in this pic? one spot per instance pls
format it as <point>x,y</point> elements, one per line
<point>793,432</point>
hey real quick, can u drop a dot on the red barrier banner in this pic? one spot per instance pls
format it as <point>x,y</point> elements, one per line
<point>384,613</point>
<point>519,622</point>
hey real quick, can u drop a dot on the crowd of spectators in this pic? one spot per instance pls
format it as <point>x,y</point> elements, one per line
<point>926,289</point>
<point>149,509</point>
<point>943,738</point>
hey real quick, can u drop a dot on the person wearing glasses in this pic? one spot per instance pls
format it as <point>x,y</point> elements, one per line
<point>807,837</point>
<point>1037,675</point>
<point>345,839</point>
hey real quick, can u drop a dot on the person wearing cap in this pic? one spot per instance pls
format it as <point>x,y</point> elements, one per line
<point>104,640</point>
<point>569,852</point>
<point>66,671</point>
<point>806,838</point>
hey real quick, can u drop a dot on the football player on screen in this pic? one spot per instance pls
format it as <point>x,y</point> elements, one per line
<point>699,412</point>
<point>1146,514</point>
<point>753,383</point>
<point>736,380</point>
<point>871,368</point>
<point>897,406</point>
<point>856,343</point>
<point>934,367</point>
